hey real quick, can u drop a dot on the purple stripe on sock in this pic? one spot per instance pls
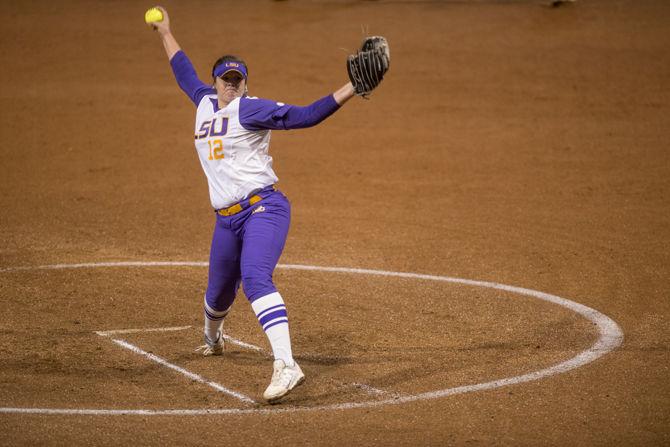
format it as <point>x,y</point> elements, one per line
<point>272,316</point>
<point>275,323</point>
<point>214,317</point>
<point>269,309</point>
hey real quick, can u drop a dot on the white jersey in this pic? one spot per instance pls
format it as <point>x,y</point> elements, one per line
<point>233,142</point>
<point>234,159</point>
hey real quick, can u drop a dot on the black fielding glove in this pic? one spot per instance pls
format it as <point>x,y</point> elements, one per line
<point>368,66</point>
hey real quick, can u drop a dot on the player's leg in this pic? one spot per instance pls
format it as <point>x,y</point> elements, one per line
<point>222,284</point>
<point>265,233</point>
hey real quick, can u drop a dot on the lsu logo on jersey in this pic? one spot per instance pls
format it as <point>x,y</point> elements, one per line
<point>216,127</point>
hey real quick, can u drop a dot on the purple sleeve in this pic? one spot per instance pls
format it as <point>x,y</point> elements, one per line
<point>187,78</point>
<point>260,114</point>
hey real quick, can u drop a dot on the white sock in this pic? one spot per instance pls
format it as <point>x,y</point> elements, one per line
<point>271,313</point>
<point>213,322</point>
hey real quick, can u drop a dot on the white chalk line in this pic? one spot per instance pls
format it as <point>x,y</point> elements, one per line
<point>108,264</point>
<point>369,389</point>
<point>136,331</point>
<point>610,337</point>
<point>189,374</point>
<point>226,337</point>
<point>242,344</point>
<point>179,369</point>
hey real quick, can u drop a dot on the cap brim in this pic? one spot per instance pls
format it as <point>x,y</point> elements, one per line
<point>235,70</point>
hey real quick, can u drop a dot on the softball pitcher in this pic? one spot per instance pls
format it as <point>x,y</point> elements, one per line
<point>232,140</point>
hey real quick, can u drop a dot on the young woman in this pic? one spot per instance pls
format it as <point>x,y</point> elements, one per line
<point>232,138</point>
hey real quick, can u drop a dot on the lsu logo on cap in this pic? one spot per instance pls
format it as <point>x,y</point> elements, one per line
<point>225,67</point>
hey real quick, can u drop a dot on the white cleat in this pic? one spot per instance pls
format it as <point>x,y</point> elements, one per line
<point>284,379</point>
<point>211,348</point>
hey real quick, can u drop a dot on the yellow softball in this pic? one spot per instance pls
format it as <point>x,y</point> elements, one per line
<point>153,15</point>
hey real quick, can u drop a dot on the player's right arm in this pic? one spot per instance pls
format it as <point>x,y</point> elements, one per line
<point>163,27</point>
<point>182,68</point>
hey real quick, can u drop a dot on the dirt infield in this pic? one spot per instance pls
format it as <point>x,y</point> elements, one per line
<point>512,143</point>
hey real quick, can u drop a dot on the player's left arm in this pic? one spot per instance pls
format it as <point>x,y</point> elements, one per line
<point>258,114</point>
<point>301,117</point>
<point>344,94</point>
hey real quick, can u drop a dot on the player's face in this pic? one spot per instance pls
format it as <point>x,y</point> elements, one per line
<point>230,86</point>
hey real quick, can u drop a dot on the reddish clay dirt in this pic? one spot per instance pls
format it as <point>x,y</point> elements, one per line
<point>511,142</point>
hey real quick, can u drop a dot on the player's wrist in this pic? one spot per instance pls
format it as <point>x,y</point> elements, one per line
<point>344,94</point>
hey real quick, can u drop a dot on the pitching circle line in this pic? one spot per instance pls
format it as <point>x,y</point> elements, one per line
<point>610,337</point>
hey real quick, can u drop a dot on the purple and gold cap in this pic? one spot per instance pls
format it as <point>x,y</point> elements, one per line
<point>225,67</point>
